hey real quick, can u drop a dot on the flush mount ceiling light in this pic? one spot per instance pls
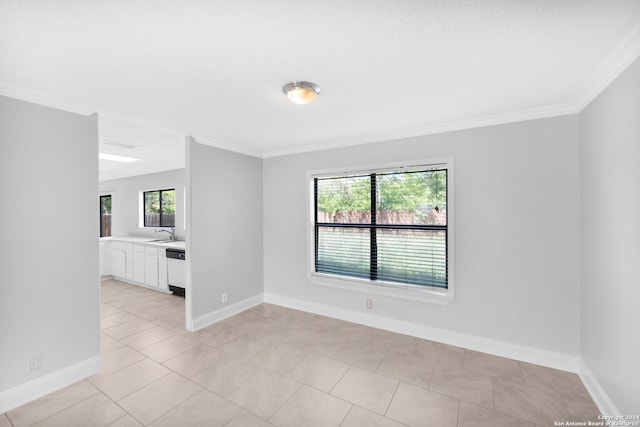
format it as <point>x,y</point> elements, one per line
<point>301,92</point>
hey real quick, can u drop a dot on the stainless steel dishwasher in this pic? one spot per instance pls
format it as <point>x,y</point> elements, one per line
<point>176,272</point>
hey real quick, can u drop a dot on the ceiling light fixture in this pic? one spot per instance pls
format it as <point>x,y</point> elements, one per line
<point>116,158</point>
<point>301,92</point>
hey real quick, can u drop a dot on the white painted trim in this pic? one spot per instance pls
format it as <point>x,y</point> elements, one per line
<point>228,311</point>
<point>412,293</point>
<point>625,53</point>
<point>430,129</point>
<point>49,383</point>
<point>188,296</point>
<point>538,356</point>
<point>46,99</point>
<point>41,98</point>
<point>139,284</point>
<point>597,392</point>
<point>229,146</point>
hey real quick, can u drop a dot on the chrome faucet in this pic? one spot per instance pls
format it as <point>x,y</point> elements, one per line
<point>171,231</point>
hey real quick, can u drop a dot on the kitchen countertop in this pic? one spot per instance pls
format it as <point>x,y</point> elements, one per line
<point>178,244</point>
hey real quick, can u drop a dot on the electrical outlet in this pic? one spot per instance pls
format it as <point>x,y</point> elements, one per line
<point>369,304</point>
<point>225,298</point>
<point>34,363</point>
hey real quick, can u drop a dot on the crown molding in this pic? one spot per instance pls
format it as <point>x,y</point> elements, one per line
<point>48,100</point>
<point>45,99</point>
<point>223,145</point>
<point>491,120</point>
<point>625,53</point>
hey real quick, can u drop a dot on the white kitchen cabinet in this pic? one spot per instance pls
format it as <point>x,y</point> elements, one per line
<point>129,263</point>
<point>151,266</point>
<point>162,269</point>
<point>103,259</point>
<point>117,260</point>
<point>138,263</point>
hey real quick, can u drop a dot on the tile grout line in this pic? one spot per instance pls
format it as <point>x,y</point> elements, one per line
<point>277,316</point>
<point>287,400</point>
<point>339,379</point>
<point>152,382</point>
<point>346,415</point>
<point>98,391</point>
<point>391,400</point>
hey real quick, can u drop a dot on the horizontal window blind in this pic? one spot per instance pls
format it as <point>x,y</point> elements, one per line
<point>385,227</point>
<point>343,251</point>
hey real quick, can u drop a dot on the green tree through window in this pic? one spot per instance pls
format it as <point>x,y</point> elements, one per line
<point>105,216</point>
<point>385,226</point>
<point>160,208</point>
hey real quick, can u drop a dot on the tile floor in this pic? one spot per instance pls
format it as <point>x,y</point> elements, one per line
<point>276,366</point>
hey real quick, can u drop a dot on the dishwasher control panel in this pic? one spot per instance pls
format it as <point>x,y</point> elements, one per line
<point>176,254</point>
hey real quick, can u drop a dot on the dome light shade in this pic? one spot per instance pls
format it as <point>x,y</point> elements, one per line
<point>301,92</point>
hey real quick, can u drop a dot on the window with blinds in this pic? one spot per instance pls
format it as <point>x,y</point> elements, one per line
<point>388,227</point>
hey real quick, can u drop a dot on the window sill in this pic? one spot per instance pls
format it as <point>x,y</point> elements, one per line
<point>430,295</point>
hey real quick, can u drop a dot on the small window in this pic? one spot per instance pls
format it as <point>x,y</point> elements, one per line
<point>105,216</point>
<point>160,208</point>
<point>388,227</point>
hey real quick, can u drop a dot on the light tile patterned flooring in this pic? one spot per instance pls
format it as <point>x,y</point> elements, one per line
<point>276,366</point>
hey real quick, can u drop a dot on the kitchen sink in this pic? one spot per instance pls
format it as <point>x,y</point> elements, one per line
<point>162,241</point>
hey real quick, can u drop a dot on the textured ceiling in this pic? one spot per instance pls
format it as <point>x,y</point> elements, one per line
<point>158,70</point>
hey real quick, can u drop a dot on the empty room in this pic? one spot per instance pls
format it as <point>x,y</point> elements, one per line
<point>299,214</point>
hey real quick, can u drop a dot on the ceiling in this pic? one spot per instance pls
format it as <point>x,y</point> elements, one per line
<point>157,70</point>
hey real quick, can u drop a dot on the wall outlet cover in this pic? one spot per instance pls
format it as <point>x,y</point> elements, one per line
<point>34,363</point>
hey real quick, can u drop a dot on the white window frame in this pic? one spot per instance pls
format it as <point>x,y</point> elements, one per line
<point>396,290</point>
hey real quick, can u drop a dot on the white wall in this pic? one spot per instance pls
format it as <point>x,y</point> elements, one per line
<point>516,237</point>
<point>610,207</point>
<point>125,201</point>
<point>49,284</point>
<point>224,244</point>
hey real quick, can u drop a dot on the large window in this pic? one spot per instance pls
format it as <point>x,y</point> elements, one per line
<point>105,216</point>
<point>159,208</point>
<point>386,226</point>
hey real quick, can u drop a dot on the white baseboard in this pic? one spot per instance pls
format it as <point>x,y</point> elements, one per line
<point>228,311</point>
<point>537,356</point>
<point>139,284</point>
<point>599,396</point>
<point>49,383</point>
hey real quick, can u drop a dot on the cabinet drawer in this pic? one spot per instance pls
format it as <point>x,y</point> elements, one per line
<point>138,248</point>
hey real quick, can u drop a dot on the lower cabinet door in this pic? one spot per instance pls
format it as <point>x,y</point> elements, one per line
<point>162,270</point>
<point>151,270</point>
<point>138,267</point>
<point>103,260</point>
<point>118,263</point>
